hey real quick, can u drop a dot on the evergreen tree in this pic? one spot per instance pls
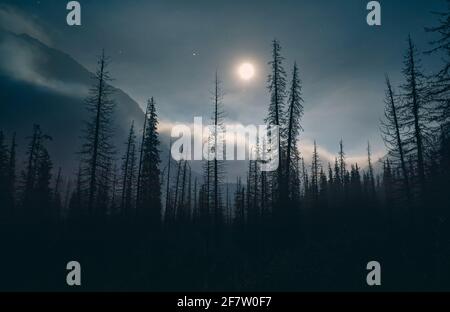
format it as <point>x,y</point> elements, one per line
<point>276,117</point>
<point>414,108</point>
<point>141,152</point>
<point>57,198</point>
<point>4,162</point>
<point>370,170</point>
<point>177,188</point>
<point>97,150</point>
<point>218,144</point>
<point>228,205</point>
<point>36,196</point>
<point>76,200</point>
<point>66,202</point>
<point>11,180</point>
<point>277,87</point>
<point>342,165</point>
<point>168,206</point>
<point>189,196</point>
<point>440,81</point>
<point>182,213</point>
<point>355,180</point>
<point>294,115</point>
<point>239,217</point>
<point>129,174</point>
<point>213,166</point>
<point>114,207</point>
<point>323,187</point>
<point>43,191</point>
<point>388,186</point>
<point>392,132</point>
<point>195,213</point>
<point>315,173</point>
<point>253,189</point>
<point>149,205</point>
<point>305,178</point>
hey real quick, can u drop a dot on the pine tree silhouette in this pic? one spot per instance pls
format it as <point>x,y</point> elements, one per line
<point>129,175</point>
<point>414,108</point>
<point>294,115</point>
<point>149,206</point>
<point>391,129</point>
<point>97,150</point>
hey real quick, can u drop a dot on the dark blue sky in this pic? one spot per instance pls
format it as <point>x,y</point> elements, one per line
<point>342,60</point>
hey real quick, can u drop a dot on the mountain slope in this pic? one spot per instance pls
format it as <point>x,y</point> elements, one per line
<point>42,85</point>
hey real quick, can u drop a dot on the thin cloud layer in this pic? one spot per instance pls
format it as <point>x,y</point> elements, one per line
<point>18,22</point>
<point>18,60</point>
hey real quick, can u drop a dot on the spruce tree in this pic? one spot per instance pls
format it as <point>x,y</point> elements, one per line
<point>4,159</point>
<point>43,191</point>
<point>77,197</point>
<point>414,108</point>
<point>342,165</point>
<point>174,214</point>
<point>57,197</point>
<point>315,173</point>
<point>149,206</point>
<point>168,205</point>
<point>36,198</point>
<point>213,166</point>
<point>129,174</point>
<point>440,81</point>
<point>276,116</point>
<point>11,179</point>
<point>97,150</point>
<point>141,152</point>
<point>294,115</point>
<point>392,132</point>
<point>218,143</point>
<point>370,170</point>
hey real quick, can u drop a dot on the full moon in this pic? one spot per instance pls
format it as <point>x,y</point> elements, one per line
<point>246,71</point>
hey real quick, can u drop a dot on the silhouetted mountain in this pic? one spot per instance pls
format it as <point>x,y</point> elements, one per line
<point>45,86</point>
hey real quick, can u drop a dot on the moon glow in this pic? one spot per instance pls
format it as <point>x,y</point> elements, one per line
<point>246,71</point>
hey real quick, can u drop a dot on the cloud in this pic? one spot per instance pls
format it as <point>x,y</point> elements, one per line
<point>18,60</point>
<point>15,21</point>
<point>305,145</point>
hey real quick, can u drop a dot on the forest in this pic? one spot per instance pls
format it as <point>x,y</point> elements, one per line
<point>139,222</point>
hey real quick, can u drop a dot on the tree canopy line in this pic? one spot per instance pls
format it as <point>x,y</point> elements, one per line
<point>303,226</point>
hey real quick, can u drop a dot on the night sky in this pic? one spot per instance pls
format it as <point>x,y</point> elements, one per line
<point>171,49</point>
